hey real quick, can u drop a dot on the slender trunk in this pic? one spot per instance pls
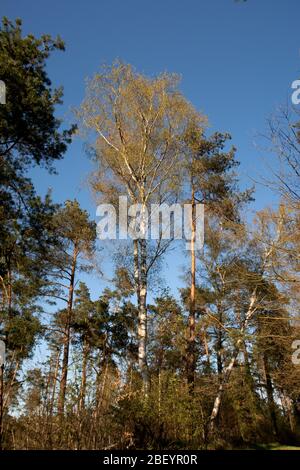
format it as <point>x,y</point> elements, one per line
<point>142,320</point>
<point>219,353</point>
<point>247,367</point>
<point>206,348</point>
<point>67,336</point>
<point>217,403</point>
<point>86,350</point>
<point>249,378</point>
<point>102,364</point>
<point>51,405</point>
<point>9,292</point>
<point>228,369</point>
<point>47,402</point>
<point>101,396</point>
<point>100,390</point>
<point>191,355</point>
<point>287,405</point>
<point>54,382</point>
<point>9,387</point>
<point>270,395</point>
<point>136,270</point>
<point>159,394</point>
<point>140,275</point>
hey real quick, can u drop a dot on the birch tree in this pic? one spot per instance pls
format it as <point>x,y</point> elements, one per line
<point>138,124</point>
<point>263,245</point>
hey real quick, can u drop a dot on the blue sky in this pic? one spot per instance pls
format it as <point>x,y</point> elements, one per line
<point>237,61</point>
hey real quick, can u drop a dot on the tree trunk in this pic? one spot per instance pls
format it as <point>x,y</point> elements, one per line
<point>54,382</point>
<point>140,276</point>
<point>67,335</point>
<point>136,263</point>
<point>204,336</point>
<point>142,320</point>
<point>270,395</point>
<point>9,291</point>
<point>51,405</point>
<point>86,350</point>
<point>287,404</point>
<point>219,352</point>
<point>217,403</point>
<point>191,356</point>
<point>228,369</point>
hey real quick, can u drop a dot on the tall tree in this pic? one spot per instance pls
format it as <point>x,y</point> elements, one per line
<point>29,135</point>
<point>211,181</point>
<point>29,131</point>
<point>139,123</point>
<point>77,235</point>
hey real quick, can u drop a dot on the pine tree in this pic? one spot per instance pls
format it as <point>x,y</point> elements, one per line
<point>76,235</point>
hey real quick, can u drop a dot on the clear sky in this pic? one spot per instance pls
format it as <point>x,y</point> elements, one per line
<point>237,61</point>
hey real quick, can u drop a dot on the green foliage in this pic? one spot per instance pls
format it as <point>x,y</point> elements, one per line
<point>91,392</point>
<point>29,132</point>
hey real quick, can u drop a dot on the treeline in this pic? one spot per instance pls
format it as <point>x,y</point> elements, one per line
<point>212,368</point>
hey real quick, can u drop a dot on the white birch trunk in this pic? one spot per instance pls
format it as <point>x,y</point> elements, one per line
<point>140,278</point>
<point>142,326</point>
<point>228,369</point>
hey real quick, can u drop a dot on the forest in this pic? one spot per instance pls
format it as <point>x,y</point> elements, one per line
<point>215,365</point>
